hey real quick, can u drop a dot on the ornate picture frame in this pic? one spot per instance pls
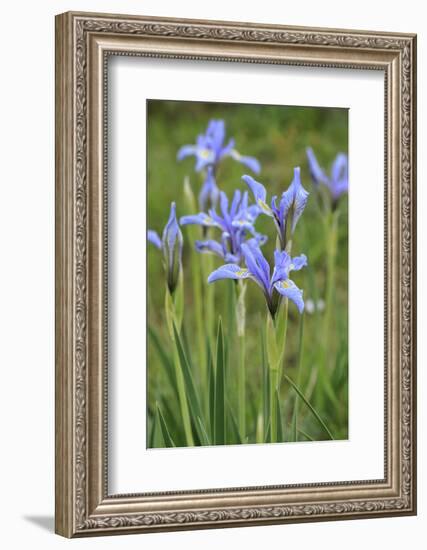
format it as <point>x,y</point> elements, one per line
<point>83,44</point>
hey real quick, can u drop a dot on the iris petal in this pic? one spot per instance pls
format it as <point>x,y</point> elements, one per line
<point>294,199</point>
<point>290,290</point>
<point>298,262</point>
<point>198,219</point>
<point>228,271</point>
<point>340,167</point>
<point>226,151</point>
<point>256,187</point>
<point>216,133</point>
<point>257,264</point>
<point>154,238</point>
<point>209,193</point>
<point>250,162</point>
<point>186,151</point>
<point>210,246</point>
<point>172,243</point>
<point>317,174</point>
<point>282,263</point>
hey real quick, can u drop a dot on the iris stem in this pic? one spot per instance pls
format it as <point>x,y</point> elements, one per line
<point>196,273</point>
<point>330,280</point>
<point>276,347</point>
<point>241,375</point>
<point>274,378</point>
<point>331,231</point>
<point>207,266</point>
<point>242,388</point>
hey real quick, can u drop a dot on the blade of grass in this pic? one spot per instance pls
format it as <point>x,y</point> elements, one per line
<point>171,416</point>
<point>164,358</point>
<point>309,405</point>
<point>211,397</point>
<point>235,439</point>
<point>294,429</point>
<point>267,434</point>
<point>164,429</point>
<point>219,414</point>
<point>205,440</point>
<point>152,425</point>
<point>279,424</point>
<point>305,434</point>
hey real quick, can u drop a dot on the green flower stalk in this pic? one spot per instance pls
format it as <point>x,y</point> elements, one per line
<point>241,375</point>
<point>196,272</point>
<point>171,245</point>
<point>274,286</point>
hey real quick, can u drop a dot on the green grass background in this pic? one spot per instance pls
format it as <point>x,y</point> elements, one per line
<point>277,136</point>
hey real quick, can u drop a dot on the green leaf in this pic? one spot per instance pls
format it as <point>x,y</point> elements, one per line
<point>267,434</point>
<point>309,405</point>
<point>219,407</point>
<point>186,347</point>
<point>273,353</point>
<point>294,428</point>
<point>211,375</point>
<point>279,419</point>
<point>152,427</point>
<point>235,434</point>
<point>205,440</point>
<point>305,434</point>
<point>164,429</point>
<point>190,388</point>
<point>265,380</point>
<point>164,359</point>
<point>178,301</point>
<point>172,420</point>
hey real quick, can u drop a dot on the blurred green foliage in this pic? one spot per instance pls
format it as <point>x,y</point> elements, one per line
<point>277,136</point>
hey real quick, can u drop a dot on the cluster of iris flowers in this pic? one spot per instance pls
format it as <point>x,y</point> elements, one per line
<point>238,242</point>
<point>228,231</point>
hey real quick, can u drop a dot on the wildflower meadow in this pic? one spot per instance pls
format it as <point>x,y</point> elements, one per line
<point>247,268</point>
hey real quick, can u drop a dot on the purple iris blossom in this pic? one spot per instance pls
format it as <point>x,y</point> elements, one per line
<point>337,182</point>
<point>289,209</point>
<point>235,221</point>
<point>258,269</point>
<point>209,193</point>
<point>210,149</point>
<point>171,245</point>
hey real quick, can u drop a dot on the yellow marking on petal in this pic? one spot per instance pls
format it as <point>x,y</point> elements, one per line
<point>241,272</point>
<point>205,153</point>
<point>264,206</point>
<point>285,284</point>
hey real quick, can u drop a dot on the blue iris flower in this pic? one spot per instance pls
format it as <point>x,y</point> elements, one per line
<point>288,210</point>
<point>337,182</point>
<point>210,148</point>
<point>209,193</point>
<point>171,245</point>
<point>258,269</point>
<point>235,221</point>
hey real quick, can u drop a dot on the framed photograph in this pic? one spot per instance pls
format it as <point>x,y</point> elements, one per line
<point>235,274</point>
